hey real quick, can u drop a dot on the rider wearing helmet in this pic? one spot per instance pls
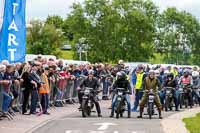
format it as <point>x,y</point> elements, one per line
<point>172,82</point>
<point>186,78</point>
<point>151,82</point>
<point>91,82</point>
<point>196,85</point>
<point>187,82</point>
<point>122,82</point>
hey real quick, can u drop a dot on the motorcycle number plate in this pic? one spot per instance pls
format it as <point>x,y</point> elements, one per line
<point>168,92</point>
<point>151,97</point>
<point>87,92</point>
<point>151,100</point>
<point>119,98</point>
<point>120,93</point>
<point>85,97</point>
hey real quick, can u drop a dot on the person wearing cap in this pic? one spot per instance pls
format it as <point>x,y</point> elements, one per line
<point>36,80</point>
<point>151,82</point>
<point>137,79</point>
<point>91,82</point>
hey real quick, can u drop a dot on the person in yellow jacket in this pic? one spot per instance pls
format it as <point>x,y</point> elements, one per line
<point>44,91</point>
<point>174,70</point>
<point>137,80</point>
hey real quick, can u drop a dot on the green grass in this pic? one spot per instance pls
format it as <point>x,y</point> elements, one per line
<point>193,124</point>
<point>66,54</point>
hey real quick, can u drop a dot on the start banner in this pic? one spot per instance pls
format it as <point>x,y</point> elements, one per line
<point>13,31</point>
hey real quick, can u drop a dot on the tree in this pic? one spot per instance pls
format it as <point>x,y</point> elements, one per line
<point>55,20</point>
<point>177,36</point>
<point>43,39</point>
<point>115,29</point>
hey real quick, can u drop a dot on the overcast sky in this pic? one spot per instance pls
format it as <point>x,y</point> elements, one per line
<point>42,8</point>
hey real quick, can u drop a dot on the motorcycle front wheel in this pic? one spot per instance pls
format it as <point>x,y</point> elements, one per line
<point>85,109</point>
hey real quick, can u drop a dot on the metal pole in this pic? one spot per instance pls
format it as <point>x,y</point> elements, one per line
<point>86,55</point>
<point>80,54</point>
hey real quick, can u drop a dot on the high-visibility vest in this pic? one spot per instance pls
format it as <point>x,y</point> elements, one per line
<point>175,73</point>
<point>139,81</point>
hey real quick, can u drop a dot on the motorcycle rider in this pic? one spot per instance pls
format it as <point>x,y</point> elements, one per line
<point>172,82</point>
<point>91,82</point>
<point>122,82</point>
<point>196,85</point>
<point>186,80</point>
<point>151,82</point>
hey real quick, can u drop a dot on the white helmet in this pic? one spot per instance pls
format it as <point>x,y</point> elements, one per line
<point>166,72</point>
<point>151,71</point>
<point>120,62</point>
<point>195,74</point>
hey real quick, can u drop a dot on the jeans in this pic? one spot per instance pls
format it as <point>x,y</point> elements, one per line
<point>34,100</point>
<point>6,102</point>
<point>175,95</point>
<point>196,94</point>
<point>26,94</point>
<point>44,102</point>
<point>162,97</point>
<point>127,99</point>
<point>138,97</point>
<point>59,94</point>
<point>106,85</point>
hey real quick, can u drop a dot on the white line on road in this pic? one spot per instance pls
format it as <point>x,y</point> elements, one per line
<point>97,132</point>
<point>69,131</point>
<point>105,125</point>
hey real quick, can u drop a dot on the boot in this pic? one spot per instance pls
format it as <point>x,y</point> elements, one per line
<point>99,115</point>
<point>160,115</point>
<point>140,116</point>
<point>112,114</point>
<point>129,114</point>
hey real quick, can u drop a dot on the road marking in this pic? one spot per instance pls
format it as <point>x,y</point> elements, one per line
<point>72,131</point>
<point>105,125</point>
<point>134,132</point>
<point>97,131</point>
<point>69,131</point>
<point>116,132</point>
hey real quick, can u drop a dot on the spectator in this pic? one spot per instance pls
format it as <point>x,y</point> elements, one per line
<point>28,85</point>
<point>44,91</point>
<point>5,99</point>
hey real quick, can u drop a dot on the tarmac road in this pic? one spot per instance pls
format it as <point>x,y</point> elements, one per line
<point>74,123</point>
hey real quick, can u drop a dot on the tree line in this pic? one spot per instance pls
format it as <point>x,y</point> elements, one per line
<point>133,30</point>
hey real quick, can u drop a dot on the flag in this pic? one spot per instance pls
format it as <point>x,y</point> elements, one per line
<point>13,32</point>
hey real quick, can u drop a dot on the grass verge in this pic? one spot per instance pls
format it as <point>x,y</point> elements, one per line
<point>193,124</point>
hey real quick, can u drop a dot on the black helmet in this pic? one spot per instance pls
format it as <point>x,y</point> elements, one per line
<point>170,75</point>
<point>123,74</point>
